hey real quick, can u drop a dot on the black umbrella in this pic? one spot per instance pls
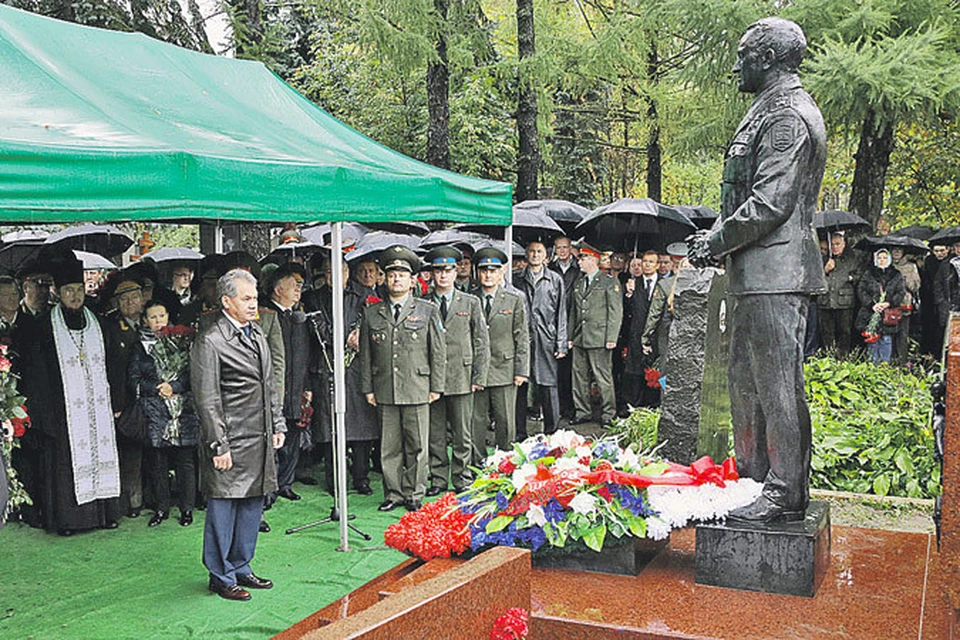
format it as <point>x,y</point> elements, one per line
<point>699,214</point>
<point>407,227</point>
<point>174,254</point>
<point>918,231</point>
<point>454,238</point>
<point>633,224</point>
<point>946,236</point>
<point>515,249</point>
<point>909,245</point>
<point>528,226</point>
<point>834,220</point>
<point>104,239</point>
<point>290,250</point>
<point>320,233</point>
<point>19,246</point>
<point>374,242</point>
<point>566,214</point>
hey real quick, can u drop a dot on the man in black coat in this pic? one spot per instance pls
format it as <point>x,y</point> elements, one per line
<point>286,286</point>
<point>931,333</point>
<point>771,180</point>
<point>565,263</point>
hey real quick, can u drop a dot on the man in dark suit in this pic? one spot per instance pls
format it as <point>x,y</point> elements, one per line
<point>771,181</point>
<point>468,352</point>
<point>565,263</point>
<point>286,287</point>
<point>241,424</point>
<point>638,294</point>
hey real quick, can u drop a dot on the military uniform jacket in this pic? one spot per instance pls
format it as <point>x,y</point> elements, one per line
<point>509,338</point>
<point>771,180</point>
<point>596,311</point>
<point>547,300</point>
<point>468,344</point>
<point>842,283</point>
<point>239,409</point>
<point>402,361</point>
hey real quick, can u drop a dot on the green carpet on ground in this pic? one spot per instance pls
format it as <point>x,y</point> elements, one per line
<point>137,582</point>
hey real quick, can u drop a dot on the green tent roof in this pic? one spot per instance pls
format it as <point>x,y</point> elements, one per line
<point>101,125</point>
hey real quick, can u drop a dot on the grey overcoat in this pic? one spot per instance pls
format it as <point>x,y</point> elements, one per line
<point>547,301</point>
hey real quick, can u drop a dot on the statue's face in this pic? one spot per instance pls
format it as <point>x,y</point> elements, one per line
<point>751,66</point>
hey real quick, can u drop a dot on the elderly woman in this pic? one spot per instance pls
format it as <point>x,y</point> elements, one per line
<point>879,288</point>
<point>68,399</point>
<point>911,281</point>
<point>167,403</point>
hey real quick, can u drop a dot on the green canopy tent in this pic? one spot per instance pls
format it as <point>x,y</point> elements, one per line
<point>104,126</point>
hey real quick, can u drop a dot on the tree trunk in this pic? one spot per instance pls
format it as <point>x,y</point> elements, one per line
<point>870,175</point>
<point>654,151</point>
<point>438,96</point>
<point>528,160</point>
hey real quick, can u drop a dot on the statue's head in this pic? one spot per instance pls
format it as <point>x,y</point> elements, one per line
<point>770,47</point>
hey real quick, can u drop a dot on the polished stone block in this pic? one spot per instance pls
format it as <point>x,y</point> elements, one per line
<point>789,558</point>
<point>627,559</point>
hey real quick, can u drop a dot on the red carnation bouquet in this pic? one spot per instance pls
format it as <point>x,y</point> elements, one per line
<point>511,626</point>
<point>13,414</point>
<point>652,377</point>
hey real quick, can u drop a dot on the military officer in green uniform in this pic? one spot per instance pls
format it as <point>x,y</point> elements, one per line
<point>468,352</point>
<point>595,316</point>
<point>403,359</point>
<point>506,320</point>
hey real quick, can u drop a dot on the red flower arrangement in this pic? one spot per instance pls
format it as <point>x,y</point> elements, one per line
<point>371,299</point>
<point>436,530</point>
<point>870,338</point>
<point>511,626</point>
<point>176,331</point>
<point>20,425</point>
<point>652,376</point>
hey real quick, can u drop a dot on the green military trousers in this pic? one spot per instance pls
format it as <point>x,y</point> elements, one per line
<point>599,364</point>
<point>497,404</point>
<point>451,415</point>
<point>403,450</point>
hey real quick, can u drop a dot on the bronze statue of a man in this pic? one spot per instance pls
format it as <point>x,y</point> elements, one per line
<point>771,181</point>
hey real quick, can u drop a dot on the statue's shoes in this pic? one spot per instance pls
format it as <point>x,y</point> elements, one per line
<point>763,510</point>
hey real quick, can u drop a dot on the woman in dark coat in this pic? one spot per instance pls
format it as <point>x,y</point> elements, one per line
<point>879,288</point>
<point>168,440</point>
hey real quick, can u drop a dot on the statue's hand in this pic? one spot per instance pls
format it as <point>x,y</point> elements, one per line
<point>699,254</point>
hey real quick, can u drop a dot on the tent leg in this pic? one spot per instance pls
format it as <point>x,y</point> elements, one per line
<point>339,379</point>
<point>508,240</point>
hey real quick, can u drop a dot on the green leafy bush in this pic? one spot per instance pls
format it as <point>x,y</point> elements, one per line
<point>871,428</point>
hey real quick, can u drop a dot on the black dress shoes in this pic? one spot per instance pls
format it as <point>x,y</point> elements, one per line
<point>288,494</point>
<point>233,592</point>
<point>250,581</point>
<point>365,490</point>
<point>432,492</point>
<point>133,513</point>
<point>764,510</point>
<point>157,518</point>
<point>186,518</point>
<point>65,533</point>
<point>110,525</point>
<point>576,420</point>
<point>412,505</point>
<point>388,505</point>
<point>264,527</point>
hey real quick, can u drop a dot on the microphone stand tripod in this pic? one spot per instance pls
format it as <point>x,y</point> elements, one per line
<point>334,510</point>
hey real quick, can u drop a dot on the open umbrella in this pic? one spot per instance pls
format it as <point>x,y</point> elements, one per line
<point>634,224</point>
<point>528,226</point>
<point>834,220</point>
<point>454,238</point>
<point>320,233</point>
<point>174,254</point>
<point>699,214</point>
<point>946,236</point>
<point>909,245</point>
<point>918,231</point>
<point>291,250</point>
<point>104,239</point>
<point>93,261</point>
<point>376,241</point>
<point>19,246</point>
<point>408,227</point>
<point>565,213</point>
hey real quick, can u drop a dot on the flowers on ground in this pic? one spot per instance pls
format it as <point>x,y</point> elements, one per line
<point>511,626</point>
<point>556,489</point>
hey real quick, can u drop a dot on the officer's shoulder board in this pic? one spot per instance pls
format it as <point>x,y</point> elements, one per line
<point>429,304</point>
<point>266,311</point>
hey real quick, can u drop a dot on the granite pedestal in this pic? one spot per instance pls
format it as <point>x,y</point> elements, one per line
<point>789,558</point>
<point>626,559</point>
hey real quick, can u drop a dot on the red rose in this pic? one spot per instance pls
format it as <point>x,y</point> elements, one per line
<point>20,426</point>
<point>652,376</point>
<point>373,300</point>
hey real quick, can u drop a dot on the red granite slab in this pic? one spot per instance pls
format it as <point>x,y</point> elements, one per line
<point>950,523</point>
<point>875,588</point>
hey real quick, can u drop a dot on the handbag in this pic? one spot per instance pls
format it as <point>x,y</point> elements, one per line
<point>891,316</point>
<point>132,424</point>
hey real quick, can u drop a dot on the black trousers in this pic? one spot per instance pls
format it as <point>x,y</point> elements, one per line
<point>358,462</point>
<point>288,456</point>
<point>184,466</point>
<point>836,329</point>
<point>771,422</point>
<point>564,386</point>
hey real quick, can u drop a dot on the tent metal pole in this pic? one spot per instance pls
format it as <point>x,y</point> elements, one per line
<point>339,379</point>
<point>508,240</point>
<point>218,237</point>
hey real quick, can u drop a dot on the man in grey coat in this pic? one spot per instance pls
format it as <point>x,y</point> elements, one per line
<point>771,180</point>
<point>241,423</point>
<point>547,298</point>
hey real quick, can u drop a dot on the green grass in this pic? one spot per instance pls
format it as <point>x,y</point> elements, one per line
<point>136,582</point>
